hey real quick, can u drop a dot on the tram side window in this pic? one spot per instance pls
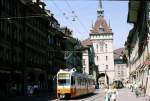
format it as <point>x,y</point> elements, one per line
<point>72,80</point>
<point>78,80</point>
<point>93,82</point>
<point>83,82</point>
<point>63,82</point>
<point>89,82</point>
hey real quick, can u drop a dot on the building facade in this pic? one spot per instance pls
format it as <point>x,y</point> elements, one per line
<point>23,46</point>
<point>73,54</point>
<point>88,55</point>
<point>101,37</point>
<point>138,44</point>
<point>121,69</point>
<point>55,51</point>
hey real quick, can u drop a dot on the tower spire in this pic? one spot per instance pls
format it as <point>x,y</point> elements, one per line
<point>100,4</point>
<point>92,24</point>
<point>110,29</point>
<point>100,11</point>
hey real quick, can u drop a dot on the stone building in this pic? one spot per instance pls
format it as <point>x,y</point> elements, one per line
<point>23,46</point>
<point>121,69</point>
<point>101,37</point>
<point>89,66</point>
<point>55,51</point>
<point>73,54</point>
<point>138,44</point>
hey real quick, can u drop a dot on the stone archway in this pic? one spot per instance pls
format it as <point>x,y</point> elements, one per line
<point>102,80</point>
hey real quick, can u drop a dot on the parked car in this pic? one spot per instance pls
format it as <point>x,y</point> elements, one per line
<point>118,84</point>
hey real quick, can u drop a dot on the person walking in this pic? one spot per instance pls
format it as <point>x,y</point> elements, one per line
<point>136,89</point>
<point>29,90</point>
<point>107,93</point>
<point>114,93</point>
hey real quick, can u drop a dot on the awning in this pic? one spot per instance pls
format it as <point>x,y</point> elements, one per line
<point>140,68</point>
<point>146,62</point>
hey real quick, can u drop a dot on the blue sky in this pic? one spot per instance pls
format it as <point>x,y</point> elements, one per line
<point>85,14</point>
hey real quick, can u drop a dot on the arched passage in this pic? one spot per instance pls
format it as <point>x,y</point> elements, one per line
<point>102,80</point>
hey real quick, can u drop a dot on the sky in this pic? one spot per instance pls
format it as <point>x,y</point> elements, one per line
<point>85,14</point>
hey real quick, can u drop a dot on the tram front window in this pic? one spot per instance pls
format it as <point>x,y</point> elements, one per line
<point>63,79</point>
<point>63,82</point>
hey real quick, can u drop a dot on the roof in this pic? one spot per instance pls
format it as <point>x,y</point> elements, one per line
<point>86,43</point>
<point>101,22</point>
<point>119,52</point>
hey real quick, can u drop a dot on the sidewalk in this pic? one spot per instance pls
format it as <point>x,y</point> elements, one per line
<point>41,97</point>
<point>125,94</point>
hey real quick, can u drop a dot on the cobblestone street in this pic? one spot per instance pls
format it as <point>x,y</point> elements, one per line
<point>125,94</point>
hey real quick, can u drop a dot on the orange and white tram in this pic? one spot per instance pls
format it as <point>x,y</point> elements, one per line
<point>72,84</point>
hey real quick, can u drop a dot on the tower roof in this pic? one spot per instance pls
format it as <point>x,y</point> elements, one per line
<point>100,11</point>
<point>100,23</point>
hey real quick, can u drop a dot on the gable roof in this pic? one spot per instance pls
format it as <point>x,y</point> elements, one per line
<point>119,52</point>
<point>86,43</point>
<point>101,22</point>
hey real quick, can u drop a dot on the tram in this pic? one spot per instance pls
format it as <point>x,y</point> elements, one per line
<point>71,84</point>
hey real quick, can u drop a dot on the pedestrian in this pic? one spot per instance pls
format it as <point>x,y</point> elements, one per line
<point>114,93</point>
<point>29,90</point>
<point>136,89</point>
<point>107,93</point>
<point>36,89</point>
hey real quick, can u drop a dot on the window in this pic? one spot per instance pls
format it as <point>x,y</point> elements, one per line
<point>83,61</point>
<point>118,67</point>
<point>97,47</point>
<point>106,66</point>
<point>101,30</point>
<point>72,80</point>
<point>97,58</point>
<point>106,58</point>
<point>106,47</point>
<point>101,46</point>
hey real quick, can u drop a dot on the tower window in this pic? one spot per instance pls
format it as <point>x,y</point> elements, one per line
<point>101,48</point>
<point>106,58</point>
<point>97,47</point>
<point>106,47</point>
<point>106,66</point>
<point>101,30</point>
<point>83,61</point>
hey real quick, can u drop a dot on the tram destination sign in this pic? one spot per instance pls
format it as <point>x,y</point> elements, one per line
<point>64,76</point>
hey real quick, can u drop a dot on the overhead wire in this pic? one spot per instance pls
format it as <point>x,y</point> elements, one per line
<point>75,15</point>
<point>61,11</point>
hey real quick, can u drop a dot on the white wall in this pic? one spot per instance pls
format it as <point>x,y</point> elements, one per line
<point>104,41</point>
